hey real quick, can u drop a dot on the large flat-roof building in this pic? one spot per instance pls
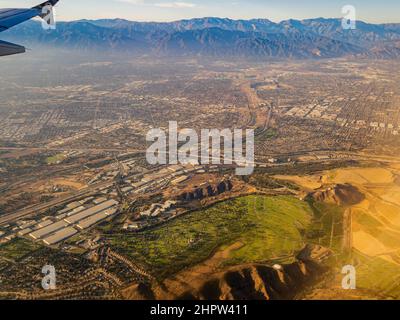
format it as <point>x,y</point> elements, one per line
<point>38,234</point>
<point>92,220</point>
<point>44,223</point>
<point>89,212</point>
<point>60,235</point>
<point>24,232</point>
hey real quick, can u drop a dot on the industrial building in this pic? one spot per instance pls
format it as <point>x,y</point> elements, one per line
<point>38,234</point>
<point>89,212</point>
<point>53,233</point>
<point>179,180</point>
<point>24,232</point>
<point>60,236</point>
<point>44,223</point>
<point>92,220</point>
<point>157,209</point>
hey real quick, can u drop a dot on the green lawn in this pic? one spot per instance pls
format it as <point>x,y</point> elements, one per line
<point>270,228</point>
<point>279,224</point>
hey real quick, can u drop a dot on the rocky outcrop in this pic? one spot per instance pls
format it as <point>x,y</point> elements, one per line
<point>314,253</point>
<point>341,194</point>
<point>245,282</point>
<point>261,282</point>
<point>206,191</point>
<point>258,282</point>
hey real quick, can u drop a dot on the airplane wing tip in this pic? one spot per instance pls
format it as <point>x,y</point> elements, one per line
<point>49,2</point>
<point>8,49</point>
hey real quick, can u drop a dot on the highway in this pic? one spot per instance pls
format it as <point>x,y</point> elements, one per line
<point>40,208</point>
<point>36,209</point>
<point>43,207</point>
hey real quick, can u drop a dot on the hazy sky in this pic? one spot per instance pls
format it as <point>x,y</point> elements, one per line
<point>376,11</point>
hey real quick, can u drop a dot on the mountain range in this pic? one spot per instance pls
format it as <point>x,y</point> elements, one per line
<point>218,37</point>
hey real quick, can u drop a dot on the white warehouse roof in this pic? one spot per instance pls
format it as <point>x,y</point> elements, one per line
<point>89,212</point>
<point>87,223</point>
<point>60,235</point>
<point>47,230</point>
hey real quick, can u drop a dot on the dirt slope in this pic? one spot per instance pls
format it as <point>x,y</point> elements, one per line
<point>341,194</point>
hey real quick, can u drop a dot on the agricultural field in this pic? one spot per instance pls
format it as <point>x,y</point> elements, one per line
<point>374,229</point>
<point>377,275</point>
<point>327,227</point>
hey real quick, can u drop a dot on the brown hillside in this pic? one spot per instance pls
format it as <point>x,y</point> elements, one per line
<point>341,194</point>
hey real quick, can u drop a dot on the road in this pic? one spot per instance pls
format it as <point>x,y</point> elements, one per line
<point>40,208</point>
<point>32,210</point>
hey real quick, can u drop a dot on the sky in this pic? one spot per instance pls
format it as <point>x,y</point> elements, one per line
<point>374,11</point>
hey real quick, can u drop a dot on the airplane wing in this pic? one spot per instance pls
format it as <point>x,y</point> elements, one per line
<point>11,17</point>
<point>7,48</point>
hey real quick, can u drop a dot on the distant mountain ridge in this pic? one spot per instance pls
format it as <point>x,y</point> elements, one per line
<point>219,37</point>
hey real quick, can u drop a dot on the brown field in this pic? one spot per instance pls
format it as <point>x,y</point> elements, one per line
<point>375,230</point>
